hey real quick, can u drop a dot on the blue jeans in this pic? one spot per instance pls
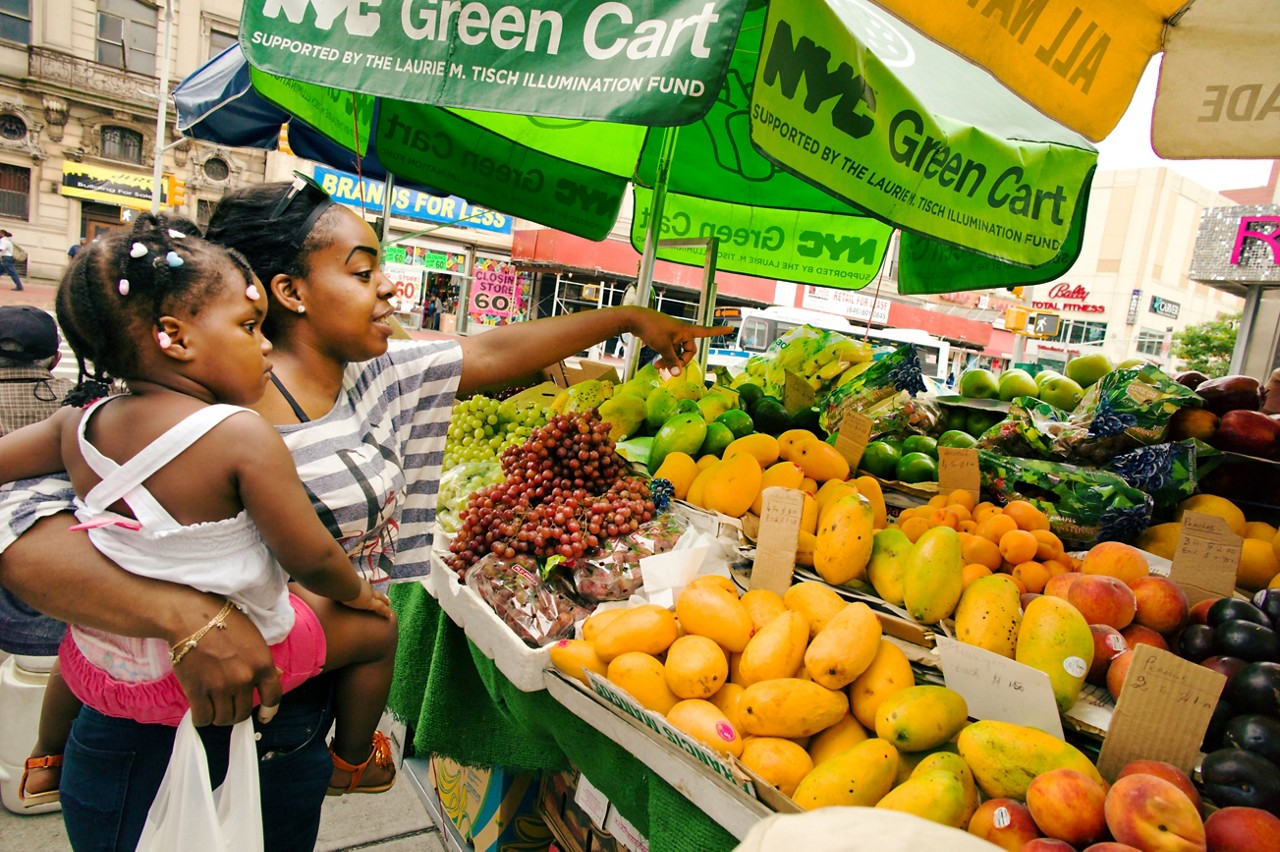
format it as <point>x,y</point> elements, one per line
<point>6,266</point>
<point>114,767</point>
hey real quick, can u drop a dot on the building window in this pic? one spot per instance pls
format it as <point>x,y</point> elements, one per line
<point>15,191</point>
<point>220,41</point>
<point>15,20</point>
<point>216,168</point>
<point>1150,342</point>
<point>1081,331</point>
<point>204,210</point>
<point>127,35</point>
<point>12,127</point>
<point>121,143</point>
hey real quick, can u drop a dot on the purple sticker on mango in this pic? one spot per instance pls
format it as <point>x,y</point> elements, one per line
<point>726,732</point>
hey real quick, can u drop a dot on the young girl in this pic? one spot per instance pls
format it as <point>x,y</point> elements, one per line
<point>175,481</point>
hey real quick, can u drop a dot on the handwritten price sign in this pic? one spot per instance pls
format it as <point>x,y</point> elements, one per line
<point>493,292</point>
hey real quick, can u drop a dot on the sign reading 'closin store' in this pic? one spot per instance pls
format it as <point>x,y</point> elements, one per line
<point>1073,299</point>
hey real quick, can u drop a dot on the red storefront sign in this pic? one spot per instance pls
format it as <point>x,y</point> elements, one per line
<point>1073,300</point>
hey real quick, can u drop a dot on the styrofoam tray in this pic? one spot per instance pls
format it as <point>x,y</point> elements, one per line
<point>518,663</point>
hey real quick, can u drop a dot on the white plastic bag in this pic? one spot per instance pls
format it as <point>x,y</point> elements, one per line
<point>187,815</point>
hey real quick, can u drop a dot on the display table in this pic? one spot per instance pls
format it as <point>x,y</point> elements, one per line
<point>460,706</point>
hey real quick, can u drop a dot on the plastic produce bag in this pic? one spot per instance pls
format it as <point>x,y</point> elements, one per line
<point>536,612</point>
<point>1031,430</point>
<point>457,484</point>
<point>187,815</point>
<point>614,574</point>
<point>895,373</point>
<point>1126,409</point>
<point>1168,472</point>
<point>1084,506</point>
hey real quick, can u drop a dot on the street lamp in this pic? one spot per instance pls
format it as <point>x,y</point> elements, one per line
<point>162,111</point>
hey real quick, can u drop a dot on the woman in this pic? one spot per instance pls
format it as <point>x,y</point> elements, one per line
<point>366,427</point>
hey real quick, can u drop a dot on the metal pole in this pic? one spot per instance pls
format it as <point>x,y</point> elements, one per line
<point>1252,299</point>
<point>644,278</point>
<point>162,111</point>
<point>387,190</point>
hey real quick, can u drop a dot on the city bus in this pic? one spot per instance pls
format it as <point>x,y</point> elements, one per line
<point>759,328</point>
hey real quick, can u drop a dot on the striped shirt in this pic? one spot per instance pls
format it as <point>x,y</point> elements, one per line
<point>371,465</point>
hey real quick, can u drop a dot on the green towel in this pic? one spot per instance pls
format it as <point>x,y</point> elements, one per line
<point>465,709</point>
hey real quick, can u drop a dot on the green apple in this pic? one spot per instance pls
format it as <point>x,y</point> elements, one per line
<point>1014,383</point>
<point>978,384</point>
<point>1045,375</point>
<point>1062,393</point>
<point>1087,369</point>
<point>1132,363</point>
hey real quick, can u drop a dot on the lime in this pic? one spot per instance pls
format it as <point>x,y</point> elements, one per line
<point>749,393</point>
<point>738,421</point>
<point>920,444</point>
<point>957,418</point>
<point>807,418</point>
<point>880,458</point>
<point>981,421</point>
<point>956,438</point>
<point>770,416</point>
<point>719,436</point>
<point>917,467</point>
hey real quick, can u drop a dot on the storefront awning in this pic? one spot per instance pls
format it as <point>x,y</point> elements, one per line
<point>108,186</point>
<point>948,326</point>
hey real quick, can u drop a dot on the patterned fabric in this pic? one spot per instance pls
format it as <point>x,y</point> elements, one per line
<point>29,395</point>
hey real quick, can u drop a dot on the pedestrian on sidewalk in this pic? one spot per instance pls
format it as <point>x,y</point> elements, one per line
<point>75,249</point>
<point>29,392</point>
<point>6,258</point>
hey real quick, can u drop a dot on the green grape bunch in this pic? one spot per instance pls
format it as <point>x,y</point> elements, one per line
<point>481,428</point>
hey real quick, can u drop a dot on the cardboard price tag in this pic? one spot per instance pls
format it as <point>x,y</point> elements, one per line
<point>852,438</point>
<point>958,471</point>
<point>797,394</point>
<point>996,687</point>
<point>779,534</point>
<point>1207,557</point>
<point>1164,709</point>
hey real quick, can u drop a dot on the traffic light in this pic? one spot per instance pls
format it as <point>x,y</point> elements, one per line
<point>1043,324</point>
<point>1015,320</point>
<point>177,192</point>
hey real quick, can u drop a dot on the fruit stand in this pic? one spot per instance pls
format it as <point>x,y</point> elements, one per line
<point>719,597</point>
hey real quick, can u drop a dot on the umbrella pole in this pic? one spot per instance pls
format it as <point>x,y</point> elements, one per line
<point>644,279</point>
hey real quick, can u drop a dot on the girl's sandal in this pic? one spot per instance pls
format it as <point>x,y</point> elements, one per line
<point>48,797</point>
<point>381,756</point>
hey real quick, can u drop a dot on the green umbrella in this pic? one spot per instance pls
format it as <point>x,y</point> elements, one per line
<point>798,133</point>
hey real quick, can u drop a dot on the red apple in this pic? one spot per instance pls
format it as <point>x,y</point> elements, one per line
<point>1242,830</point>
<point>1136,634</point>
<point>1167,771</point>
<point>1162,605</point>
<point>1005,822</point>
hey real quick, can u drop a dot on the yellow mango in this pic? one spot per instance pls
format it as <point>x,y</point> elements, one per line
<point>597,622</point>
<point>732,485</point>
<point>844,541</point>
<point>817,602</point>
<point>698,488</point>
<point>868,487</point>
<point>789,707</point>
<point>950,761</point>
<point>776,650</point>
<point>715,613</point>
<point>841,736</point>
<point>573,656</point>
<point>934,576</point>
<point>831,491</point>
<point>790,441</point>
<point>845,647</point>
<point>763,606</point>
<point>1055,638</point>
<point>889,672</point>
<point>809,486</point>
<point>988,615</point>
<point>921,717</point>
<point>936,795</point>
<point>780,762</point>
<point>1005,757</point>
<point>707,461</point>
<point>714,581</point>
<point>680,469</point>
<point>856,777</point>
<point>641,675</point>
<point>650,629</point>
<point>809,515</point>
<point>805,544</point>
<point>784,474</point>
<point>821,461</point>
<point>890,549</point>
<point>909,760</point>
<point>703,721</point>
<point>696,667</point>
<point>761,447</point>
<point>727,699</point>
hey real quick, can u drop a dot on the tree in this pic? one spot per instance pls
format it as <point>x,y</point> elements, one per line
<point>1207,346</point>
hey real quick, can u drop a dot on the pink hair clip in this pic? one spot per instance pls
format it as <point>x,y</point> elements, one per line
<point>123,286</point>
<point>251,293</point>
<point>164,340</point>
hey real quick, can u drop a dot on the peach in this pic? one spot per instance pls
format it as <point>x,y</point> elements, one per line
<point>1116,673</point>
<point>1103,600</point>
<point>1136,634</point>
<point>1162,605</point>
<point>1005,822</point>
<point>1068,805</point>
<point>1154,815</point>
<point>1047,844</point>
<point>1026,599</point>
<point>1199,614</point>
<point>1167,771</point>
<point>1242,830</point>
<point>1113,559</point>
<point>1111,846</point>
<point>1059,583</point>
<point>1107,644</point>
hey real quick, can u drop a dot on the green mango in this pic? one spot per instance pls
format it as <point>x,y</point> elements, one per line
<point>624,413</point>
<point>718,439</point>
<point>712,406</point>
<point>688,406</point>
<point>683,433</point>
<point>659,408</point>
<point>738,421</point>
<point>642,383</point>
<point>587,395</point>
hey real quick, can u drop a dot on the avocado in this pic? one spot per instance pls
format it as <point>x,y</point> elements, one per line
<point>1246,640</point>
<point>1233,777</point>
<point>1256,733</point>
<point>1256,689</point>
<point>1268,600</point>
<point>1234,609</point>
<point>1223,713</point>
<point>770,416</point>
<point>1196,642</point>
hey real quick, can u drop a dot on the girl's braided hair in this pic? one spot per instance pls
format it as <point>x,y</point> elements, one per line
<point>115,291</point>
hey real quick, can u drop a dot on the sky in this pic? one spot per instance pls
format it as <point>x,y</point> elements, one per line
<point>1129,147</point>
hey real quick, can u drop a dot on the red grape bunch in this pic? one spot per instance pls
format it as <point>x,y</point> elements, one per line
<point>565,491</point>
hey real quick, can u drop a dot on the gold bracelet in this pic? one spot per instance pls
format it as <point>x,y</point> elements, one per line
<point>177,652</point>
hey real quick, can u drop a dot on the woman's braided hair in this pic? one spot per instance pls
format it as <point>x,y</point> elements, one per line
<point>115,291</point>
